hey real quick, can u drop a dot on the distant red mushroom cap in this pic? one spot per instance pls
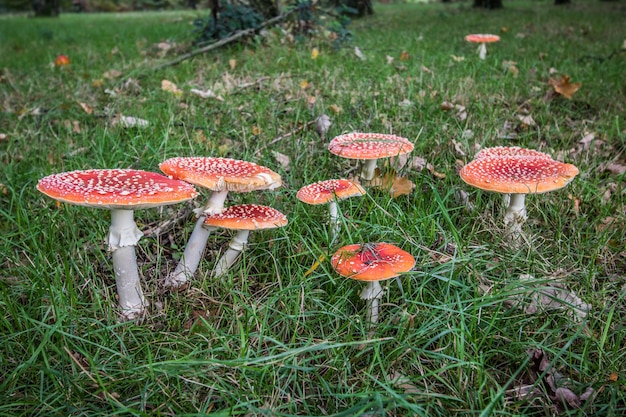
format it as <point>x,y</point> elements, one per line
<point>115,188</point>
<point>219,174</point>
<point>62,60</point>
<point>515,175</point>
<point>372,261</point>
<point>369,145</point>
<point>247,217</point>
<point>482,38</point>
<point>513,151</point>
<point>325,191</point>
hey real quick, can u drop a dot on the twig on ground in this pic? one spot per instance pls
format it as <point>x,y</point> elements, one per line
<point>225,41</point>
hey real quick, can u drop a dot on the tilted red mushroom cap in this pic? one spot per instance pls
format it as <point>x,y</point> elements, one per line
<point>515,175</point>
<point>325,191</point>
<point>247,217</point>
<point>482,38</point>
<point>115,188</point>
<point>219,174</point>
<point>514,151</point>
<point>372,261</point>
<point>369,145</point>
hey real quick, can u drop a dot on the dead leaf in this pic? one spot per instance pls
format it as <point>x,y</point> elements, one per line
<point>457,58</point>
<point>110,74</point>
<point>322,124</point>
<point>401,186</point>
<point>170,87</point>
<point>390,181</point>
<point>335,108</point>
<point>543,296</point>
<point>282,159</point>
<point>404,56</point>
<point>130,122</point>
<point>390,60</point>
<point>434,172</point>
<point>315,53</point>
<point>527,121</point>
<point>86,108</point>
<point>315,265</point>
<point>256,131</point>
<point>206,94</point>
<point>4,136</point>
<point>564,87</point>
<point>616,168</point>
<point>358,53</point>
<point>232,63</point>
<point>511,67</point>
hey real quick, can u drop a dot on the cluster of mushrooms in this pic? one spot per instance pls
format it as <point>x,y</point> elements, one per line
<point>511,170</point>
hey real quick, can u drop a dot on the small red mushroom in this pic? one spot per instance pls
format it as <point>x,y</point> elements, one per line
<point>523,172</point>
<point>482,39</point>
<point>372,262</point>
<point>121,191</point>
<point>61,61</point>
<point>369,147</point>
<point>244,218</point>
<point>329,192</point>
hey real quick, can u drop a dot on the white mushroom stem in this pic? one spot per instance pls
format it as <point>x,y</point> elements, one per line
<point>515,215</point>
<point>482,50</point>
<point>123,236</point>
<point>335,224</point>
<point>235,247</point>
<point>368,169</point>
<point>372,292</point>
<point>196,244</point>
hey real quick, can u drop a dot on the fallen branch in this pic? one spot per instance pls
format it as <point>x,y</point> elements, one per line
<point>237,35</point>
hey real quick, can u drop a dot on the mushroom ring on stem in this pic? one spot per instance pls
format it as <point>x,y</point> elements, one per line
<point>482,39</point>
<point>517,176</point>
<point>220,175</point>
<point>244,218</point>
<point>372,262</point>
<point>369,147</point>
<point>121,191</point>
<point>329,192</point>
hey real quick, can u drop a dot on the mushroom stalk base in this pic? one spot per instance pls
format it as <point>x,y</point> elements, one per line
<point>373,292</point>
<point>515,216</point>
<point>234,249</point>
<point>194,250</point>
<point>335,224</point>
<point>188,264</point>
<point>130,296</point>
<point>482,51</point>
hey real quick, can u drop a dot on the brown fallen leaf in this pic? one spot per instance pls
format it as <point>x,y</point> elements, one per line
<point>564,87</point>
<point>86,107</point>
<point>282,159</point>
<point>390,181</point>
<point>170,87</point>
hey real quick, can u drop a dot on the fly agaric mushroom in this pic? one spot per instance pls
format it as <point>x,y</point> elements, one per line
<point>220,175</point>
<point>61,61</point>
<point>515,151</point>
<point>243,218</point>
<point>369,147</point>
<point>372,262</point>
<point>483,40</point>
<point>517,176</point>
<point>330,191</point>
<point>121,191</point>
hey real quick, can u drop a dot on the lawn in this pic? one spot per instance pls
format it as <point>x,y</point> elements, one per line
<point>480,326</point>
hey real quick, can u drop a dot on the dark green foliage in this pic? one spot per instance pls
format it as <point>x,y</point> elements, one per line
<point>231,18</point>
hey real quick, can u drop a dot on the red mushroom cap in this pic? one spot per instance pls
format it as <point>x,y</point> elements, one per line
<point>369,145</point>
<point>513,151</point>
<point>325,191</point>
<point>372,261</point>
<point>115,188</point>
<point>247,217</point>
<point>219,174</point>
<point>518,175</point>
<point>482,38</point>
<point>62,60</point>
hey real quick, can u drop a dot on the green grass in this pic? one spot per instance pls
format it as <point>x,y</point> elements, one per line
<point>268,339</point>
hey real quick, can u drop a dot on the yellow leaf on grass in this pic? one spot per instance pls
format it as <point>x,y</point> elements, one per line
<point>315,265</point>
<point>564,87</point>
<point>232,64</point>
<point>170,87</point>
<point>404,55</point>
<point>304,84</point>
<point>335,108</point>
<point>390,181</point>
<point>86,107</point>
<point>315,53</point>
<point>256,130</point>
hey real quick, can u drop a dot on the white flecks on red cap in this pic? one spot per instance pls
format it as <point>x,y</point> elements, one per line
<point>372,261</point>
<point>115,188</point>
<point>247,217</point>
<point>482,38</point>
<point>369,145</point>
<point>516,151</point>
<point>219,174</point>
<point>325,191</point>
<point>518,175</point>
